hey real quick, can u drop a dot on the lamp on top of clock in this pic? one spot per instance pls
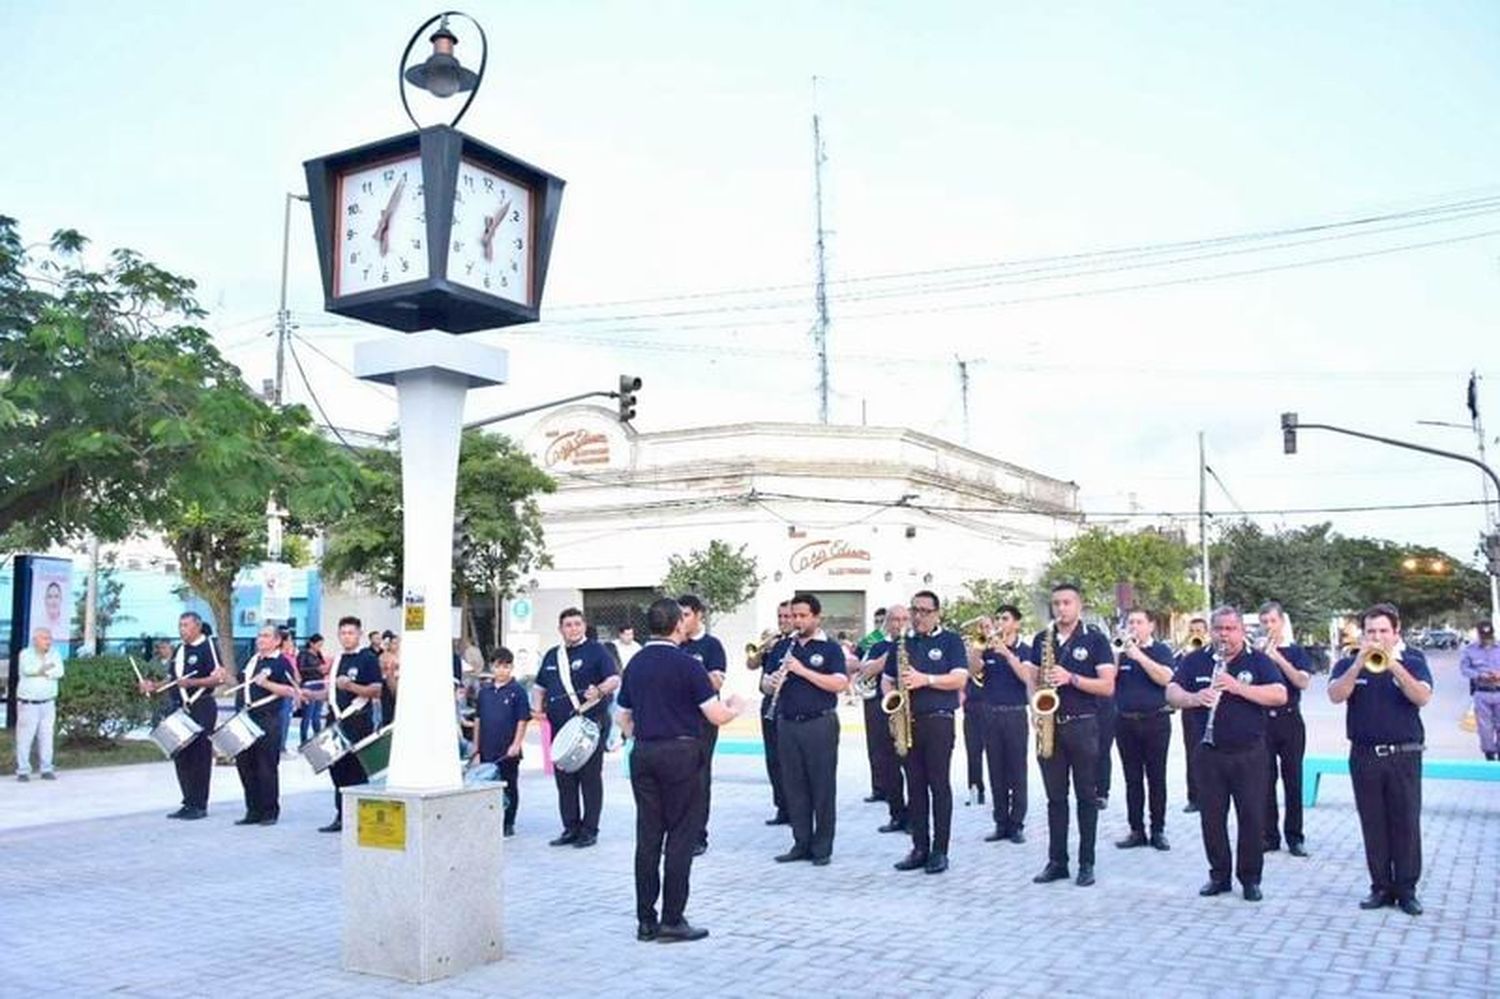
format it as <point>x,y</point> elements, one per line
<point>433,229</point>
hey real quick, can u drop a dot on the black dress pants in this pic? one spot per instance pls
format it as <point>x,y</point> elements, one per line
<point>809,778</point>
<point>1108,717</point>
<point>195,761</point>
<point>710,739</point>
<point>1005,731</point>
<point>1286,743</point>
<point>259,768</point>
<point>1237,775</point>
<point>348,771</point>
<point>773,760</point>
<point>666,780</point>
<point>1076,753</point>
<point>885,767</point>
<point>1388,796</point>
<point>974,744</point>
<point>928,783</point>
<point>587,784</point>
<point>1144,743</point>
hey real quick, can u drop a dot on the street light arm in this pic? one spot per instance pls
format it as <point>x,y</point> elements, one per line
<point>541,405</point>
<point>1487,470</point>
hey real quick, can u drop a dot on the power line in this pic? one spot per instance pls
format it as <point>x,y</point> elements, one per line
<point>327,421</point>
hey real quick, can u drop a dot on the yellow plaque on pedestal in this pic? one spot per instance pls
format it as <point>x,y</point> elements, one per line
<point>382,823</point>
<point>416,610</point>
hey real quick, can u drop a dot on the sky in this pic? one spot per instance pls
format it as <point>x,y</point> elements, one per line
<point>967,147</point>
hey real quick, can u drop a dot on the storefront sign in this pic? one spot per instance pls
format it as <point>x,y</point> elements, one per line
<point>578,448</point>
<point>834,556</point>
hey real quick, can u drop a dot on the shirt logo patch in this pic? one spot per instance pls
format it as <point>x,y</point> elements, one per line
<point>1080,654</point>
<point>576,664</point>
<point>1245,676</point>
<point>697,655</point>
<point>192,660</point>
<point>935,654</point>
<point>816,659</point>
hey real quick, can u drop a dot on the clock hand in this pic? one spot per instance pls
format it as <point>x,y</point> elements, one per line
<point>383,228</point>
<point>492,226</point>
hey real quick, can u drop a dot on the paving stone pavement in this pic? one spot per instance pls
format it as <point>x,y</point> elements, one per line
<point>136,905</point>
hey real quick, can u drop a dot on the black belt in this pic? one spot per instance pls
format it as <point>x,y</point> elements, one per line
<point>803,718</point>
<point>1067,719</point>
<point>1139,715</point>
<point>1392,748</point>
<point>1002,707</point>
<point>944,713</point>
<point>1289,709</point>
<point>1231,749</point>
<point>24,700</point>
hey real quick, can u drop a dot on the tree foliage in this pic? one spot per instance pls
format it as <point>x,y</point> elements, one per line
<point>980,597</point>
<point>1156,565</point>
<point>721,576</point>
<point>1300,568</point>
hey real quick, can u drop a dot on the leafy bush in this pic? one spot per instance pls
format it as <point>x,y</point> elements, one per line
<point>97,699</point>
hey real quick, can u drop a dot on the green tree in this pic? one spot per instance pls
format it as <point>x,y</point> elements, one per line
<point>1156,565</point>
<point>1375,570</point>
<point>1297,567</point>
<point>498,486</point>
<point>981,596</point>
<point>721,576</point>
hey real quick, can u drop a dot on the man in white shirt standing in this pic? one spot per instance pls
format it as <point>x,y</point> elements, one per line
<point>36,704</point>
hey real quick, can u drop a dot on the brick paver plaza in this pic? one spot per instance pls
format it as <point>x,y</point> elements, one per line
<point>136,905</point>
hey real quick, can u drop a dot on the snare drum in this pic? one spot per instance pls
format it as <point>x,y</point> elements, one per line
<point>237,735</point>
<point>374,754</point>
<point>175,731</point>
<point>325,749</point>
<point>481,773</point>
<point>574,743</point>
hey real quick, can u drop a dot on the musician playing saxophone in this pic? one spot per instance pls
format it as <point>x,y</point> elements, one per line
<point>939,669</point>
<point>1236,684</point>
<point>885,766</point>
<point>1084,671</point>
<point>1000,706</point>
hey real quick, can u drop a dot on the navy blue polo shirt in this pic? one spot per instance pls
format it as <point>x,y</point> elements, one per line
<point>500,711</point>
<point>936,653</point>
<point>1379,714</point>
<point>1298,657</point>
<point>665,690</point>
<point>1083,653</point>
<point>280,672</point>
<point>799,698</point>
<point>363,667</point>
<point>590,665</point>
<point>708,650</point>
<point>1001,685</point>
<point>198,661</point>
<point>1237,723</point>
<point>1135,691</point>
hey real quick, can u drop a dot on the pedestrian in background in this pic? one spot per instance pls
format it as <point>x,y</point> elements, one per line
<point>36,704</point>
<point>1480,665</point>
<point>312,668</point>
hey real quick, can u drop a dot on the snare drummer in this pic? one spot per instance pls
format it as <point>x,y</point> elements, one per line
<point>270,680</point>
<point>356,687</point>
<point>195,666</point>
<point>591,676</point>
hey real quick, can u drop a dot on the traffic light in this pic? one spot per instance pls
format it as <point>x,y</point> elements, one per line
<point>629,386</point>
<point>1492,553</point>
<point>1288,433</point>
<point>460,532</point>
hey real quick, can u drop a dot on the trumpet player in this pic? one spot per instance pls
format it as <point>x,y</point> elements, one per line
<point>1233,685</point>
<point>939,669</point>
<point>1386,685</point>
<point>770,653</point>
<point>1286,735</point>
<point>885,766</point>
<point>1192,721</point>
<point>1000,707</point>
<point>1083,672</point>
<point>807,681</point>
<point>1144,732</point>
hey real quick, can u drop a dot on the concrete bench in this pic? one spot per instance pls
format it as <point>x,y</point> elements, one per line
<point>1314,767</point>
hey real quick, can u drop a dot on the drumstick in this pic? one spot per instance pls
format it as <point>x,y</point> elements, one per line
<point>136,670</point>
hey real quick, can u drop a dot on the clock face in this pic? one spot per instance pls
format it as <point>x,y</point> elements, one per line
<point>490,248</point>
<point>381,228</point>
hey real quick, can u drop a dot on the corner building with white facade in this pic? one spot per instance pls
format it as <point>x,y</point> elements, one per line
<point>861,516</point>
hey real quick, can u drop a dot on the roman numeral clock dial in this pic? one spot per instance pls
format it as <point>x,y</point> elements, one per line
<point>491,248</point>
<point>381,228</point>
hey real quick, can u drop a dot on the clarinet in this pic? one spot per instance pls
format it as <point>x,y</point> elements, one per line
<point>1220,664</point>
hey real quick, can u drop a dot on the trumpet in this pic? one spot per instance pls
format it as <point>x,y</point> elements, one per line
<point>975,636</point>
<point>1124,641</point>
<point>1195,643</point>
<point>755,651</point>
<point>1377,660</point>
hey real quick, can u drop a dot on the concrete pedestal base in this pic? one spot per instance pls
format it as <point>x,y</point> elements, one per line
<point>422,881</point>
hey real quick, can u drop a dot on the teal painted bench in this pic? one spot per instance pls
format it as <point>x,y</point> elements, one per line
<point>724,747</point>
<point>1314,767</point>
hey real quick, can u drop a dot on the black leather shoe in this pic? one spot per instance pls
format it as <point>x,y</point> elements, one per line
<point>1101,802</point>
<point>1190,807</point>
<point>1085,875</point>
<point>190,814</point>
<point>509,831</point>
<point>1052,872</point>
<point>336,825</point>
<point>645,932</point>
<point>587,840</point>
<point>1159,841</point>
<point>568,838</point>
<point>1252,893</point>
<point>913,861</point>
<point>1016,836</point>
<point>871,798</point>
<point>895,825</point>
<point>996,836</point>
<point>698,850</point>
<point>248,820</point>
<point>179,813</point>
<point>1409,905</point>
<point>937,863</point>
<point>1135,839</point>
<point>1214,888</point>
<point>821,861</point>
<point>269,820</point>
<point>1375,900</point>
<point>1296,849</point>
<point>683,931</point>
<point>778,820</point>
<point>792,856</point>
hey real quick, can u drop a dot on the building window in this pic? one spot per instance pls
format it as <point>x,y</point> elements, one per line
<point>611,610</point>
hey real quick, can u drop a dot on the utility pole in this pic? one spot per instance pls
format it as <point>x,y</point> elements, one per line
<point>963,391</point>
<point>1491,515</point>
<point>1208,602</point>
<point>283,318</point>
<point>820,295</point>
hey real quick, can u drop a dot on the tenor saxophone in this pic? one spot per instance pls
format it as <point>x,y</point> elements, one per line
<point>897,704</point>
<point>1044,700</point>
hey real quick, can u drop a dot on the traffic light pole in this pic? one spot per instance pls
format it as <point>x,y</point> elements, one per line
<point>1290,426</point>
<point>539,406</point>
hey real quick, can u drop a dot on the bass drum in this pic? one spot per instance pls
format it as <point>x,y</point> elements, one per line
<point>574,743</point>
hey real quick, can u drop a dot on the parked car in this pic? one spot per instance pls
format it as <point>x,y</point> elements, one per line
<point>1443,638</point>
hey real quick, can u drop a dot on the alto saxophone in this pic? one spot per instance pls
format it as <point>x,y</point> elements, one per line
<point>897,704</point>
<point>1045,700</point>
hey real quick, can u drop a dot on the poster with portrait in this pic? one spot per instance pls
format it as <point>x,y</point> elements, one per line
<point>51,600</point>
